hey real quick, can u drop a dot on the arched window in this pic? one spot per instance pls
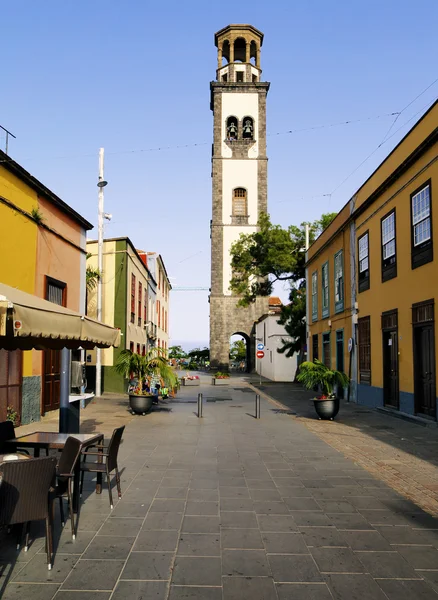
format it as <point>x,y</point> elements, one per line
<point>240,50</point>
<point>225,52</point>
<point>240,206</point>
<point>248,128</point>
<point>253,52</point>
<point>232,129</point>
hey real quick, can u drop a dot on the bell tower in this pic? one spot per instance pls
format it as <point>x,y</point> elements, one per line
<point>239,173</point>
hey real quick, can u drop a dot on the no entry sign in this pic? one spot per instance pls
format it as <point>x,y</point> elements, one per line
<point>260,354</point>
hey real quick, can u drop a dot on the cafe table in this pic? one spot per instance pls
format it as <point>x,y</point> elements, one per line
<point>51,440</point>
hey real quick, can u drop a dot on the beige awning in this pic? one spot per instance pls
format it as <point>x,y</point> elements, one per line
<point>27,321</point>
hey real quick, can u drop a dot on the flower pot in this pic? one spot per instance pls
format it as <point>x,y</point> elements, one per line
<point>327,409</point>
<point>216,381</point>
<point>140,405</point>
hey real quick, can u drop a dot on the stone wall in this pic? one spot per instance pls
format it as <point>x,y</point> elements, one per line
<point>31,400</point>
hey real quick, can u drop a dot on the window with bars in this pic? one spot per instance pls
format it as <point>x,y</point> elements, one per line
<point>140,297</point>
<point>56,291</point>
<point>326,357</point>
<point>240,207</point>
<point>132,298</point>
<point>315,296</point>
<point>423,312</point>
<point>339,281</point>
<point>421,220</point>
<point>364,346</point>
<point>363,262</point>
<point>389,258</point>
<point>325,290</point>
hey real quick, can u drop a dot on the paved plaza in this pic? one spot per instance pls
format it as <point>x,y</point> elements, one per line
<point>228,507</point>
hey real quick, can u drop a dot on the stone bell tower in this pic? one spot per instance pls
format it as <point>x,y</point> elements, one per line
<point>239,172</point>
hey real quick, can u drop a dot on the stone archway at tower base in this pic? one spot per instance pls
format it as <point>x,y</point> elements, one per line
<point>227,319</point>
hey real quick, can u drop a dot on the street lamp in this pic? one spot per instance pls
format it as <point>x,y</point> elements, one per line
<point>100,217</point>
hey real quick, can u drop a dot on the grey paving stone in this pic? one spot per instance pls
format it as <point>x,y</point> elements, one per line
<point>284,543</point>
<point>194,593</point>
<point>403,534</point>
<point>203,484</point>
<point>203,495</point>
<point>202,544</point>
<point>249,539</point>
<point>309,518</point>
<point>366,540</point>
<point>167,521</point>
<point>387,565</point>
<point>109,547</point>
<point>245,563</point>
<point>319,537</point>
<point>294,568</point>
<point>299,591</point>
<point>91,521</point>
<point>241,520</point>
<point>316,483</point>
<point>167,506</point>
<point>237,504</point>
<point>261,484</point>
<point>202,508</point>
<point>350,521</point>
<point>172,492</point>
<point>156,541</point>
<point>120,527</point>
<point>270,508</point>
<point>366,502</point>
<point>140,590</point>
<point>282,523</point>
<point>348,587</point>
<point>419,557</point>
<point>66,545</point>
<point>197,571</point>
<point>407,590</point>
<point>233,492</point>
<point>431,577</point>
<point>337,506</point>
<point>135,510</point>
<point>148,565</point>
<point>293,491</point>
<point>302,504</point>
<point>201,524</point>
<point>81,595</point>
<point>232,481</point>
<point>253,588</point>
<point>36,571</point>
<point>265,495</point>
<point>337,560</point>
<point>386,517</point>
<point>94,575</point>
<point>36,591</point>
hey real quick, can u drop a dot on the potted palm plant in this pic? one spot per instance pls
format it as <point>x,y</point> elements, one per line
<point>316,375</point>
<point>143,368</point>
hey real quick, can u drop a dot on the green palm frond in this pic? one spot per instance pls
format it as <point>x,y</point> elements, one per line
<point>316,374</point>
<point>154,364</point>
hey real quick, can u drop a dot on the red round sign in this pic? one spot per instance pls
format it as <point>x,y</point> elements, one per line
<point>260,354</point>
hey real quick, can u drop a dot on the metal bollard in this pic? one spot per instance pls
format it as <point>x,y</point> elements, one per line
<point>257,406</point>
<point>199,405</point>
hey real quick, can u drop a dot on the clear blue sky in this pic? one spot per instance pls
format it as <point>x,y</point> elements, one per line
<point>134,75</point>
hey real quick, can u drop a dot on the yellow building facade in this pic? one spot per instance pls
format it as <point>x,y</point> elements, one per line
<point>386,234</point>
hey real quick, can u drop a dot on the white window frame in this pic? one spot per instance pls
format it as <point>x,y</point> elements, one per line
<point>421,215</point>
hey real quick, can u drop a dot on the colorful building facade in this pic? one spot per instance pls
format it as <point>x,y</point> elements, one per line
<point>371,277</point>
<point>39,236</point>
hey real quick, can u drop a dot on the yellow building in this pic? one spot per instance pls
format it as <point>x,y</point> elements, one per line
<point>40,236</point>
<point>371,277</point>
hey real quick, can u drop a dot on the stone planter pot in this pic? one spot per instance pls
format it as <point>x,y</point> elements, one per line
<point>140,405</point>
<point>188,382</point>
<point>327,409</point>
<point>215,381</point>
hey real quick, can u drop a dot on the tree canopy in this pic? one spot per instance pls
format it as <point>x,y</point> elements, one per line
<point>238,351</point>
<point>176,352</point>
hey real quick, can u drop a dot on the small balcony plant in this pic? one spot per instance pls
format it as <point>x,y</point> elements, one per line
<point>143,368</point>
<point>316,375</point>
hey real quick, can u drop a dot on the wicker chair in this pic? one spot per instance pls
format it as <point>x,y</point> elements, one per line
<point>25,497</point>
<point>7,432</point>
<point>108,464</point>
<point>65,473</point>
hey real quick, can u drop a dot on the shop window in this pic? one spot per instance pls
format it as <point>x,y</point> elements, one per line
<point>421,225</point>
<point>364,263</point>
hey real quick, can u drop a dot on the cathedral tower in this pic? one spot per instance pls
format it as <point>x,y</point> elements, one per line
<point>239,172</point>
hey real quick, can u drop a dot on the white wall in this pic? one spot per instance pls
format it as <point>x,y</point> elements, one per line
<point>274,366</point>
<point>239,106</point>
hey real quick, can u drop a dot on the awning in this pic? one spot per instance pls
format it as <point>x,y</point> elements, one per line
<point>27,321</point>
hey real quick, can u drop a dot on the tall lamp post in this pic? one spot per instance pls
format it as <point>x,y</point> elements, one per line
<point>100,216</point>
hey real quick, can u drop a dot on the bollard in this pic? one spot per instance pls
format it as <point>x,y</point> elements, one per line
<point>199,405</point>
<point>257,406</point>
